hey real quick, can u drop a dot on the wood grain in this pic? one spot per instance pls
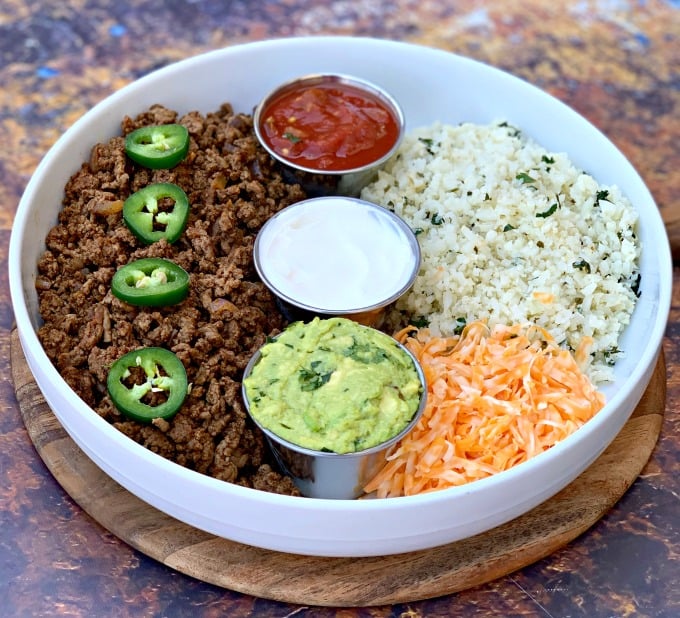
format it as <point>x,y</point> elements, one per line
<point>342,582</point>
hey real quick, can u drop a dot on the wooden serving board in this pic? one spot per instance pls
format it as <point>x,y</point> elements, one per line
<point>343,582</point>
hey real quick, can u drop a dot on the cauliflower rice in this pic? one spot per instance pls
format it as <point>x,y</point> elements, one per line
<point>511,233</point>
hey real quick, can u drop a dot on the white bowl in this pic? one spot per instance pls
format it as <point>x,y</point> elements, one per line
<point>430,85</point>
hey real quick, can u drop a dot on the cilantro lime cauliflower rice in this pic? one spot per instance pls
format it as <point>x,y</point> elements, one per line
<point>511,233</point>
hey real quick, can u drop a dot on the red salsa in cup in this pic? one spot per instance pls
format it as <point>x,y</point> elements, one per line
<point>329,126</point>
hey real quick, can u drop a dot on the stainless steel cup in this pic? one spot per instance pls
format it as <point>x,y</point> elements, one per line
<point>320,474</point>
<point>370,313</point>
<point>330,182</point>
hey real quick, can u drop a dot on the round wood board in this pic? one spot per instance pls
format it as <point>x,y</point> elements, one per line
<point>343,582</point>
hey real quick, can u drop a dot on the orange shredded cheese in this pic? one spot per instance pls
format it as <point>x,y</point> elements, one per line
<point>496,397</point>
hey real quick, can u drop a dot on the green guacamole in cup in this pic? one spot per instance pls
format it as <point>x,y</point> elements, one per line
<point>333,385</point>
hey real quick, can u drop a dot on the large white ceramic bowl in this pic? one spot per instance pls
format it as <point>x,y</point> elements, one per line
<point>430,85</point>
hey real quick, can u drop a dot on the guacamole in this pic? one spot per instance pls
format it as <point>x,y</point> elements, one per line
<point>333,385</point>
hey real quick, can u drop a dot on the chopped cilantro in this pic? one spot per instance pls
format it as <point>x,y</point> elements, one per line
<point>547,213</point>
<point>294,139</point>
<point>428,144</point>
<point>610,355</point>
<point>602,196</point>
<point>582,265</point>
<point>311,379</point>
<point>524,178</point>
<point>512,131</point>
<point>635,286</point>
<point>365,353</point>
<point>420,321</point>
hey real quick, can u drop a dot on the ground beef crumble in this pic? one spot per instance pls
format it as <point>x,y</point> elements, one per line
<point>233,188</point>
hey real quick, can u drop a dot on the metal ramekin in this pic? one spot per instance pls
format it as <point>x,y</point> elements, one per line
<point>340,476</point>
<point>325,182</point>
<point>369,315</point>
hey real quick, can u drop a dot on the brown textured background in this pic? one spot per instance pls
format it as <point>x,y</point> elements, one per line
<point>617,62</point>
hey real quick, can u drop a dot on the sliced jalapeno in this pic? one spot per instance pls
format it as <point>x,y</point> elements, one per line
<point>151,282</point>
<point>158,211</point>
<point>148,383</point>
<point>158,147</point>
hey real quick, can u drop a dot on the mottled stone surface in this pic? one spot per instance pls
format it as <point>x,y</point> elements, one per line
<point>614,61</point>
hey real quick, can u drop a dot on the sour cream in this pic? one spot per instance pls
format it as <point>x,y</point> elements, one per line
<point>337,255</point>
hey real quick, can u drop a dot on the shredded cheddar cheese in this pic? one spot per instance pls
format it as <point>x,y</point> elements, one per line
<point>496,398</point>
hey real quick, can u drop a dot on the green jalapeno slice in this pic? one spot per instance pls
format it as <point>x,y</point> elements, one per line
<point>158,147</point>
<point>151,282</point>
<point>148,383</point>
<point>158,211</point>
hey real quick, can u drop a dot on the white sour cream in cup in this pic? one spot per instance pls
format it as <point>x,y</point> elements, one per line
<point>337,255</point>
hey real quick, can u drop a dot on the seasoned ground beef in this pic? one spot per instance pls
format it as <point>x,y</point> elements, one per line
<point>233,188</point>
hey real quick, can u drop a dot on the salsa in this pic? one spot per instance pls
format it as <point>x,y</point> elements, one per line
<point>330,126</point>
